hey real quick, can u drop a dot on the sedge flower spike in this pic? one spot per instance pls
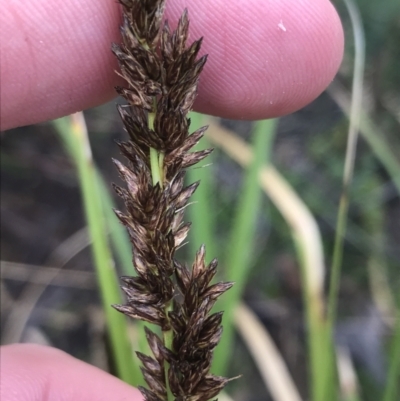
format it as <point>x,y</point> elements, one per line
<point>162,74</point>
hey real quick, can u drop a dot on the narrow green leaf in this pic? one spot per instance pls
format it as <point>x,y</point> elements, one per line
<point>201,213</point>
<point>118,235</point>
<point>72,132</point>
<point>239,252</point>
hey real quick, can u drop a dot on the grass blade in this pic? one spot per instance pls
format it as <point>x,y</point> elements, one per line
<point>118,235</point>
<point>309,246</point>
<point>266,355</point>
<point>201,213</point>
<point>239,248</point>
<point>74,135</point>
<point>355,116</point>
<point>349,386</point>
<point>370,133</point>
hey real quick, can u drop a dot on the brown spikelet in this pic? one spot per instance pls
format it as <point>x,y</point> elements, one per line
<point>162,73</point>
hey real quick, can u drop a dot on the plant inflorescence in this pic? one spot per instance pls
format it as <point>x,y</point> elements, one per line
<point>162,76</point>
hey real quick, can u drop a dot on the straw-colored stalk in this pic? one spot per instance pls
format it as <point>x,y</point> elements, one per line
<point>309,245</point>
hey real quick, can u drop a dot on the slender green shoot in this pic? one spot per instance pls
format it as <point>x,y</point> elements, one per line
<point>157,168</point>
<point>239,255</point>
<point>117,232</point>
<point>156,159</point>
<point>356,106</point>
<point>73,132</point>
<point>118,236</point>
<point>309,245</point>
<point>371,134</point>
<point>320,348</point>
<point>201,214</point>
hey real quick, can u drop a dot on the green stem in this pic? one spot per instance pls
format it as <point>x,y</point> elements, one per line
<point>168,337</point>
<point>320,347</point>
<point>202,216</point>
<point>156,159</point>
<point>155,167</point>
<point>157,173</point>
<point>73,132</point>
<point>161,166</point>
<point>355,118</point>
<point>337,259</point>
<point>239,258</point>
<point>119,239</point>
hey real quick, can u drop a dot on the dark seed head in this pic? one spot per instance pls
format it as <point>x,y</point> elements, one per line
<point>161,74</point>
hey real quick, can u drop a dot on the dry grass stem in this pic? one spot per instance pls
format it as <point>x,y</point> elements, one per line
<point>17,320</point>
<point>308,241</point>
<point>288,203</point>
<point>266,356</point>
<point>346,374</point>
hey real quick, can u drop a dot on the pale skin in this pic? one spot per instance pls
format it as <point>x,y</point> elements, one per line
<point>266,58</point>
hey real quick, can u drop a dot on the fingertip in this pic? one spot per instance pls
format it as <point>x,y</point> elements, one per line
<point>56,58</point>
<point>35,373</point>
<point>266,59</point>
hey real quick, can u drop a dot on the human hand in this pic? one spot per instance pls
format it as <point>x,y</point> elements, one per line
<point>266,58</point>
<point>36,373</point>
<point>264,61</point>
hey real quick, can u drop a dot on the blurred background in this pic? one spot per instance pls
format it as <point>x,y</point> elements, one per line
<point>49,290</point>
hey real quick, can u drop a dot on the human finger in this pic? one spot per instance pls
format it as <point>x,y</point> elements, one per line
<point>37,373</point>
<point>265,58</point>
